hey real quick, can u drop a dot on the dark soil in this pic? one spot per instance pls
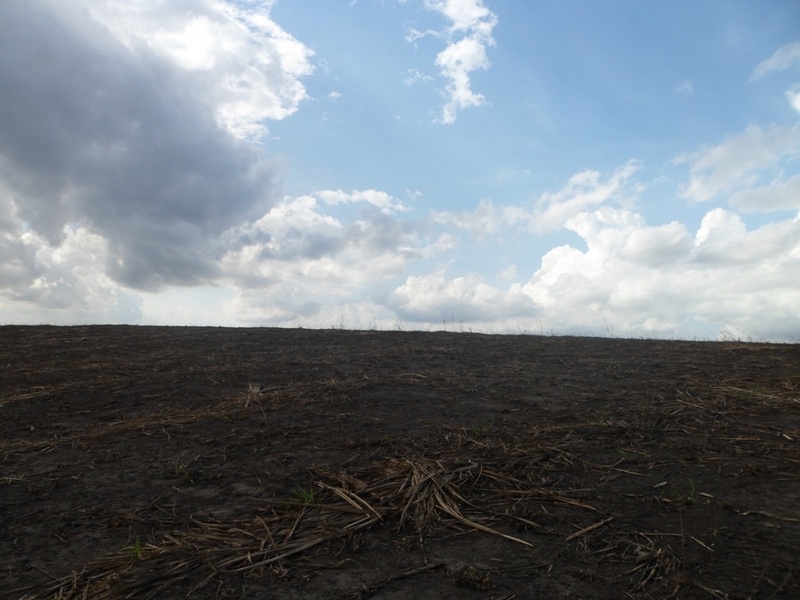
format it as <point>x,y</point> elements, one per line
<point>155,462</point>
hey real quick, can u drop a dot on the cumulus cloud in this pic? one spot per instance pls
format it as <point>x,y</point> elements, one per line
<point>584,191</point>
<point>610,232</point>
<point>740,160</point>
<point>783,58</point>
<point>434,299</point>
<point>638,279</point>
<point>633,278</point>
<point>68,281</point>
<point>723,238</point>
<point>370,244</point>
<point>298,260</point>
<point>114,126</point>
<point>242,63</point>
<point>468,34</point>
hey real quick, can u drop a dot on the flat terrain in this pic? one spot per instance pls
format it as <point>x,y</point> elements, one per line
<point>155,462</point>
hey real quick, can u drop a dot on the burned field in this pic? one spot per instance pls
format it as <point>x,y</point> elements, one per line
<point>155,462</point>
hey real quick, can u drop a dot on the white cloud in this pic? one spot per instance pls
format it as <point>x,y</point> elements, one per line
<point>465,15</point>
<point>638,279</point>
<point>472,23</point>
<point>780,194</point>
<point>508,274</point>
<point>298,261</point>
<point>456,63</point>
<point>739,160</point>
<point>413,35</point>
<point>685,87</point>
<point>723,238</point>
<point>376,198</point>
<point>108,128</point>
<point>633,279</point>
<point>413,76</point>
<point>486,219</point>
<point>720,236</point>
<point>783,58</point>
<point>433,299</point>
<point>611,232</point>
<point>584,191</point>
<point>242,63</point>
<point>793,95</point>
<point>67,280</point>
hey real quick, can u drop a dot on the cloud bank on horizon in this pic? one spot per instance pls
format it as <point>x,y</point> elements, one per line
<point>414,164</point>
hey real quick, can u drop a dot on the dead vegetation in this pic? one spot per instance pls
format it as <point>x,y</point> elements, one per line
<point>338,464</point>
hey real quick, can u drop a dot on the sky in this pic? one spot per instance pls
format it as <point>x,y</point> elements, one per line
<point>611,168</point>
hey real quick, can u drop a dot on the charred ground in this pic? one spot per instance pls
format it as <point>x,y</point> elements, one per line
<point>155,462</point>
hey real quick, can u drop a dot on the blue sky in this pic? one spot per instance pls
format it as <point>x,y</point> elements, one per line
<point>614,168</point>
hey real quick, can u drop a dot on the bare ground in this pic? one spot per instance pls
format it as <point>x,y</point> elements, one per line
<point>148,462</point>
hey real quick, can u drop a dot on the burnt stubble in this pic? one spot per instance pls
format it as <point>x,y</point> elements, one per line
<point>156,462</point>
